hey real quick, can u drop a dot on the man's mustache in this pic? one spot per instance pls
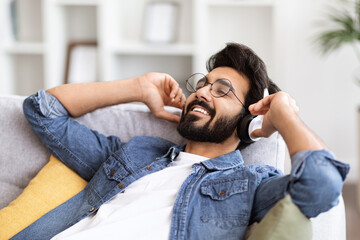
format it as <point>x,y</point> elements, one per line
<point>203,104</point>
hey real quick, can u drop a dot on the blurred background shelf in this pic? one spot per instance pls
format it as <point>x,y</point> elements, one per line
<point>154,49</point>
<point>44,30</point>
<point>249,3</point>
<point>30,48</point>
<point>77,2</point>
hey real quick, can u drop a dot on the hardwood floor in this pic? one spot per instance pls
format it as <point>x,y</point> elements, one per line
<point>352,212</point>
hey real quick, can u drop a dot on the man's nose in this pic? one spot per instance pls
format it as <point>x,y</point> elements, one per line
<point>204,93</point>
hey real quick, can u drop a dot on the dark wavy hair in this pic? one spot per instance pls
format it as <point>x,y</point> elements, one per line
<point>249,64</point>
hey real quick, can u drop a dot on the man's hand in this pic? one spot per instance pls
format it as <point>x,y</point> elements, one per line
<point>275,108</point>
<point>159,90</point>
<point>281,114</point>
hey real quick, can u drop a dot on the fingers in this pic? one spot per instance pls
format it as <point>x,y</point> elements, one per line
<point>179,99</point>
<point>282,100</point>
<point>262,106</point>
<point>173,85</point>
<point>167,116</point>
<point>176,94</point>
<point>258,133</point>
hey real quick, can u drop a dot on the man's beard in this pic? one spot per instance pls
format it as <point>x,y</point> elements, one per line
<point>221,129</point>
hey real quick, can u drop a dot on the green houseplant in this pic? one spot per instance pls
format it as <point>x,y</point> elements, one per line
<point>344,28</point>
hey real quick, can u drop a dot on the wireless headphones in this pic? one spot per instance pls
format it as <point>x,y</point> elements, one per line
<point>248,124</point>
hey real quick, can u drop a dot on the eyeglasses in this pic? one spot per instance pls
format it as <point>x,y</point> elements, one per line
<point>219,88</point>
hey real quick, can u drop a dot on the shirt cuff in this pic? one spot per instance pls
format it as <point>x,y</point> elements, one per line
<point>300,157</point>
<point>49,105</point>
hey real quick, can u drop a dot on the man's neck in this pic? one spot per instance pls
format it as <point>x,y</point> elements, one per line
<point>212,150</point>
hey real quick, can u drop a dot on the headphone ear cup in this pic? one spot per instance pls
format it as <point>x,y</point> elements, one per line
<point>243,128</point>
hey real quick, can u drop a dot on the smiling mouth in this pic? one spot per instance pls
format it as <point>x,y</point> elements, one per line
<point>200,110</point>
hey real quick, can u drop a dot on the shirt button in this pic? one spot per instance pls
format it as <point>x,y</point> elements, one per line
<point>149,168</point>
<point>112,173</point>
<point>91,209</point>
<point>121,186</point>
<point>222,194</point>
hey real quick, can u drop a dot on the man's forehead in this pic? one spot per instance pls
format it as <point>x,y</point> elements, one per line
<point>225,72</point>
<point>240,82</point>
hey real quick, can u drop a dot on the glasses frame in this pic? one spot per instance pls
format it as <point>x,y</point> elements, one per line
<point>211,85</point>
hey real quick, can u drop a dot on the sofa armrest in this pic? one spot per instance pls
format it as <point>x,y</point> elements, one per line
<point>22,154</point>
<point>330,225</point>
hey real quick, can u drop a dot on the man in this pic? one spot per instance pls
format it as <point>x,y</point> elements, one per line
<point>150,188</point>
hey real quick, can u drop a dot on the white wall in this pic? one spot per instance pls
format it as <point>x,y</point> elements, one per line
<point>323,87</point>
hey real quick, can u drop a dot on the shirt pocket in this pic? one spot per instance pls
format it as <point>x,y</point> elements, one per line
<point>107,179</point>
<point>115,170</point>
<point>225,203</point>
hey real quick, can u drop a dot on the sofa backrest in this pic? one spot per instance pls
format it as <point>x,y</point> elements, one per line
<point>22,155</point>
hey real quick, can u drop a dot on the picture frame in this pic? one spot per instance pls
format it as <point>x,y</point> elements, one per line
<point>160,22</point>
<point>81,62</point>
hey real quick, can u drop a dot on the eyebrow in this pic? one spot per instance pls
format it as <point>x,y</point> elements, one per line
<point>234,90</point>
<point>236,93</point>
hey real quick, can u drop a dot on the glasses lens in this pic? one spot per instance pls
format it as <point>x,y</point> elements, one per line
<point>195,82</point>
<point>221,87</point>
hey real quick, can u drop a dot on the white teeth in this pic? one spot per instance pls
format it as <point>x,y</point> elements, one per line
<point>200,110</point>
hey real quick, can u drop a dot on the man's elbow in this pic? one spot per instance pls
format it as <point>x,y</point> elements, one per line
<point>28,108</point>
<point>318,188</point>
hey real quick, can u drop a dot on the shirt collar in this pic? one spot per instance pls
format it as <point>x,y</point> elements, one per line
<point>173,152</point>
<point>222,162</point>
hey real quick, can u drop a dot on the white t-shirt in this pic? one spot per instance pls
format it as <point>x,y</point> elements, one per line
<point>143,211</point>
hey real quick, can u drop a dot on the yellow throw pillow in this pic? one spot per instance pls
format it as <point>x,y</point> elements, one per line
<point>54,184</point>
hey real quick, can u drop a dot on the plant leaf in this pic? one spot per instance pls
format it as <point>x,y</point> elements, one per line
<point>332,40</point>
<point>346,29</point>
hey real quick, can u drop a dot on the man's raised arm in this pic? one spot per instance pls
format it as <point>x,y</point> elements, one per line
<point>316,178</point>
<point>79,147</point>
<point>281,114</point>
<point>154,89</point>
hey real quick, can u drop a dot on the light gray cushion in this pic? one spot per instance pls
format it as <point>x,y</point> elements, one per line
<point>22,155</point>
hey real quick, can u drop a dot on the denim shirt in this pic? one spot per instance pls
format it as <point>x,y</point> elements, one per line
<point>218,200</point>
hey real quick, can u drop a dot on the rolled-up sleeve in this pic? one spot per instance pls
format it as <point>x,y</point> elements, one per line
<point>314,184</point>
<point>79,147</point>
<point>316,181</point>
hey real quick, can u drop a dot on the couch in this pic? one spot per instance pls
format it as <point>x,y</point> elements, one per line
<point>22,155</point>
